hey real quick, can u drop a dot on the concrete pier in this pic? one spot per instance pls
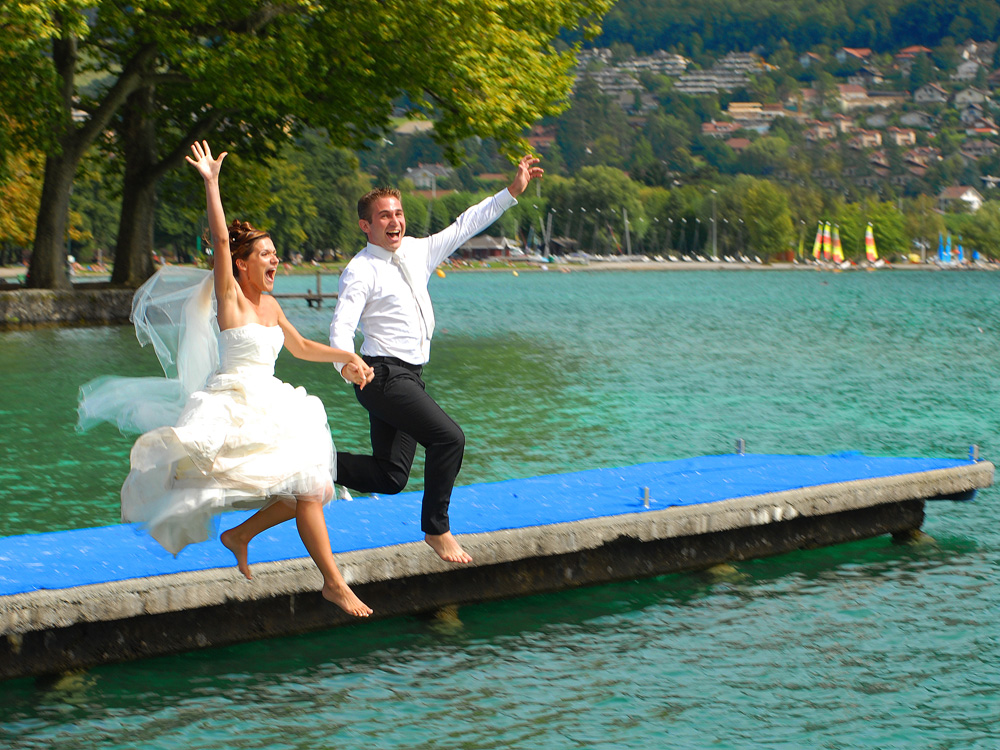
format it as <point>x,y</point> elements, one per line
<point>74,599</point>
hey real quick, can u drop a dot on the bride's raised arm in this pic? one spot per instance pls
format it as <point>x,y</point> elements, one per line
<point>209,168</point>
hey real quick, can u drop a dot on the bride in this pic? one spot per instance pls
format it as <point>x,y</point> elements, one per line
<point>243,439</point>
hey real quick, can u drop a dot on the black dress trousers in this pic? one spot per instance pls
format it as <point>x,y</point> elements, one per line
<point>401,414</point>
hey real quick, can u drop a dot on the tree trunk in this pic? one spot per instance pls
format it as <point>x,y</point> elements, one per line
<point>48,268</point>
<point>134,248</point>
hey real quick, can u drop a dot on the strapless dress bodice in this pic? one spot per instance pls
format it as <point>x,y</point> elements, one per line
<point>250,349</point>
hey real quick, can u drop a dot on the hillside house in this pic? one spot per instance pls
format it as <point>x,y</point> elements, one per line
<point>967,71</point>
<point>970,95</point>
<point>930,93</point>
<point>902,136</point>
<point>977,148</point>
<point>888,98</point>
<point>719,129</point>
<point>844,123</point>
<point>425,176</point>
<point>864,139</point>
<point>922,157</point>
<point>850,97</point>
<point>970,114</point>
<point>821,131</point>
<point>867,76</point>
<point>961,196</point>
<point>917,119</point>
<point>852,53</point>
<point>983,52</point>
<point>905,57</point>
<point>879,159</point>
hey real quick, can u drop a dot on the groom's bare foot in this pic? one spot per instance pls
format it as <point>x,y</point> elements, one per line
<point>347,600</point>
<point>447,547</point>
<point>239,548</point>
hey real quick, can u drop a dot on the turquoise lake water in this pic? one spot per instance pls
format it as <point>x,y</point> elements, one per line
<point>866,645</point>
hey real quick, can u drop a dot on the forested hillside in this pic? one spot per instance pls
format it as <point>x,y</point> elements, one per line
<point>695,26</point>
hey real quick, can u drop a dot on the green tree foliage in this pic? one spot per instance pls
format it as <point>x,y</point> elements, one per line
<point>594,130</point>
<point>767,217</point>
<point>589,207</point>
<point>980,230</point>
<point>19,196</point>
<point>889,227</point>
<point>259,66</point>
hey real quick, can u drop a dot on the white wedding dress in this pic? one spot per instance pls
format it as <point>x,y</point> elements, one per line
<point>239,439</point>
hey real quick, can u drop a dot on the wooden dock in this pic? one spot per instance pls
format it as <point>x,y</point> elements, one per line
<point>313,299</point>
<point>77,598</point>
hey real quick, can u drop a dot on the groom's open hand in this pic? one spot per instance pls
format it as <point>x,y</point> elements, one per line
<point>526,172</point>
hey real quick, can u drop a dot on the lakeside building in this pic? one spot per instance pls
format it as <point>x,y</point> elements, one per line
<point>485,246</point>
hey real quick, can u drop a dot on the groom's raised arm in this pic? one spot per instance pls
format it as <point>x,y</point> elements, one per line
<point>475,219</point>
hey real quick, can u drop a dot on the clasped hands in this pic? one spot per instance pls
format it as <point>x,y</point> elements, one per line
<point>358,372</point>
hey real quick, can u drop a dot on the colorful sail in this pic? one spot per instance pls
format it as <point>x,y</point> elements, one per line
<point>818,242</point>
<point>838,251</point>
<point>827,242</point>
<point>940,247</point>
<point>870,252</point>
<point>947,250</point>
<point>961,251</point>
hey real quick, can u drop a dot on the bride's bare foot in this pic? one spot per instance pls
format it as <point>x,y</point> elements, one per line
<point>239,548</point>
<point>343,597</point>
<point>447,547</point>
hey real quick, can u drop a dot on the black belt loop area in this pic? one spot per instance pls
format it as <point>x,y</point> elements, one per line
<point>396,361</point>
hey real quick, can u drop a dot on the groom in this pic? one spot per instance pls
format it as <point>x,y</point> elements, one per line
<point>383,291</point>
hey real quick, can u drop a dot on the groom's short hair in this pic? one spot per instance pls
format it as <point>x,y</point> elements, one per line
<point>369,198</point>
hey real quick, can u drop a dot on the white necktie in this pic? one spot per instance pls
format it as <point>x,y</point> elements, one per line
<point>419,294</point>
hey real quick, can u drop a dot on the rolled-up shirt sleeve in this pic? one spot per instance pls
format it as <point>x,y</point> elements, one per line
<point>352,296</point>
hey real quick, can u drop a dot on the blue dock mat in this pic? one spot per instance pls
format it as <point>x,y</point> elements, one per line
<point>78,557</point>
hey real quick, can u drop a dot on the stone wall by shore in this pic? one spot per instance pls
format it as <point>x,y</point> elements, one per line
<point>30,307</point>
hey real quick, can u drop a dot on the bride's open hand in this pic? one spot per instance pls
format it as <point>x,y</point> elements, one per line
<point>207,167</point>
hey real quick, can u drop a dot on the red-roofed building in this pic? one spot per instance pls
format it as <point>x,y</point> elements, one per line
<point>853,53</point>
<point>852,96</point>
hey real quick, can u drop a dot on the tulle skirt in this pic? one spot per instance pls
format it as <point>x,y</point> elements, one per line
<point>241,443</point>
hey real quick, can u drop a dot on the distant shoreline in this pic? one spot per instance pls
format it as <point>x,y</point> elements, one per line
<point>96,303</point>
<point>334,269</point>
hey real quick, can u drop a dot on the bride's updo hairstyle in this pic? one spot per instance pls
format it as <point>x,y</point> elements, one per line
<point>242,236</point>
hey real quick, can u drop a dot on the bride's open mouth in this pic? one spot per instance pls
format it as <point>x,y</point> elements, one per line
<point>269,274</point>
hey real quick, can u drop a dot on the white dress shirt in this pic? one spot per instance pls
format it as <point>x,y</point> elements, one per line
<point>376,297</point>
